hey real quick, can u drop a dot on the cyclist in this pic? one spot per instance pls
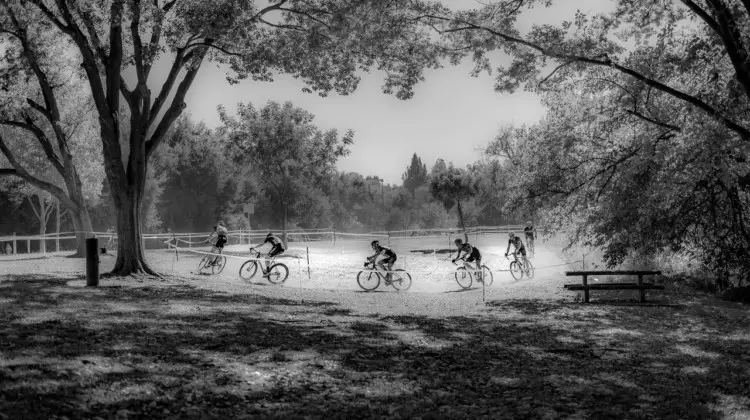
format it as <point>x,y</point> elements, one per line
<point>471,253</point>
<point>277,248</point>
<point>385,263</point>
<point>220,233</point>
<point>530,235</point>
<point>518,245</point>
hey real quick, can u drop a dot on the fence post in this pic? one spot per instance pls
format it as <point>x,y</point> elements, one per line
<point>57,242</point>
<point>389,238</point>
<point>308,262</point>
<point>334,236</point>
<point>190,240</point>
<point>28,246</point>
<point>14,244</point>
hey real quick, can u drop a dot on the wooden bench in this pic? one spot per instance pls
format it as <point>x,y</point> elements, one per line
<point>640,285</point>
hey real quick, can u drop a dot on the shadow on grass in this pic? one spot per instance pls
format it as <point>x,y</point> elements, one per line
<point>180,352</point>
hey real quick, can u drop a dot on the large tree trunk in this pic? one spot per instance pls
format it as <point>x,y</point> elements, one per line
<point>286,242</point>
<point>83,230</point>
<point>461,219</point>
<point>130,252</point>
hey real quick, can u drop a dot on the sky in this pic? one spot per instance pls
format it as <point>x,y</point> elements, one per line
<point>452,115</point>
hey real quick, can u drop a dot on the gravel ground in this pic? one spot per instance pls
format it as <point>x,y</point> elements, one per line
<point>332,278</point>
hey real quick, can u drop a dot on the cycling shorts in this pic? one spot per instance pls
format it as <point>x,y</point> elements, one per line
<point>389,259</point>
<point>221,241</point>
<point>276,250</point>
<point>474,256</point>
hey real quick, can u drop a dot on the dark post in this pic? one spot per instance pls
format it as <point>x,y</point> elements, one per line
<point>92,262</point>
<point>585,289</point>
<point>642,290</point>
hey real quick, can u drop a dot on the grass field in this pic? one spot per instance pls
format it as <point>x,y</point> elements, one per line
<point>193,346</point>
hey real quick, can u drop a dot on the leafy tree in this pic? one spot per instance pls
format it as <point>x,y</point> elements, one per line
<point>49,145</point>
<point>657,156</point>
<point>452,186</point>
<point>288,152</point>
<point>415,175</point>
<point>118,42</point>
<point>191,175</point>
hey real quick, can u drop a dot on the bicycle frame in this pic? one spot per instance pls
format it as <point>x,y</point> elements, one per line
<point>258,254</point>
<point>468,267</point>
<point>372,266</point>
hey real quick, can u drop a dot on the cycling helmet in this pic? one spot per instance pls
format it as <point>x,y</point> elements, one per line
<point>511,234</point>
<point>269,235</point>
<point>375,244</point>
<point>528,223</point>
<point>458,241</point>
<point>221,223</point>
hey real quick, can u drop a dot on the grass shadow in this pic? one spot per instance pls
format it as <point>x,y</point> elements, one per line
<point>183,352</point>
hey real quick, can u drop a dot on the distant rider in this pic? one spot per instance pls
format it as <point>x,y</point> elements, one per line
<point>277,248</point>
<point>385,263</point>
<point>530,233</point>
<point>518,245</point>
<point>220,233</point>
<point>471,254</point>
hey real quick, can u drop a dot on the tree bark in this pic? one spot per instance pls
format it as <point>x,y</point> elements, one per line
<point>461,219</point>
<point>83,229</point>
<point>130,252</point>
<point>42,223</point>
<point>286,242</point>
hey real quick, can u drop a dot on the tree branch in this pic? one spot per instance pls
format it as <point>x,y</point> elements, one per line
<point>606,62</point>
<point>178,105</point>
<point>216,47</point>
<point>166,88</point>
<point>43,141</point>
<point>36,213</point>
<point>22,173</point>
<point>655,122</point>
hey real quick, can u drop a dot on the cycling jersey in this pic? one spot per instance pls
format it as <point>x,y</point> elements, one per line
<point>274,241</point>
<point>516,242</point>
<point>529,231</point>
<point>387,252</point>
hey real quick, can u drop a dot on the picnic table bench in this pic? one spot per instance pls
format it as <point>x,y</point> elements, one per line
<point>640,285</point>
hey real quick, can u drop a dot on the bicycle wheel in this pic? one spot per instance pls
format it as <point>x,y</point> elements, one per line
<point>529,270</point>
<point>515,270</point>
<point>463,277</point>
<point>278,273</point>
<point>219,266</point>
<point>368,280</point>
<point>401,281</point>
<point>487,276</point>
<point>248,269</point>
<point>203,263</point>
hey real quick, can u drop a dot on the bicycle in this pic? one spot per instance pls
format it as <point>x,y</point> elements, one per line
<point>464,276</point>
<point>400,279</point>
<point>276,273</point>
<point>518,268</point>
<point>217,266</point>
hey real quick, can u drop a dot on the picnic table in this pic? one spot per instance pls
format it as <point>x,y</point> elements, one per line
<point>639,285</point>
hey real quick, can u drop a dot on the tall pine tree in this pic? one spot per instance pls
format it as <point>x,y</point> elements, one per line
<point>415,175</point>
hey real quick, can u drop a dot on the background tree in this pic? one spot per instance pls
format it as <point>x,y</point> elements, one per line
<point>415,175</point>
<point>47,145</point>
<point>288,152</point>
<point>664,86</point>
<point>452,186</point>
<point>118,43</point>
